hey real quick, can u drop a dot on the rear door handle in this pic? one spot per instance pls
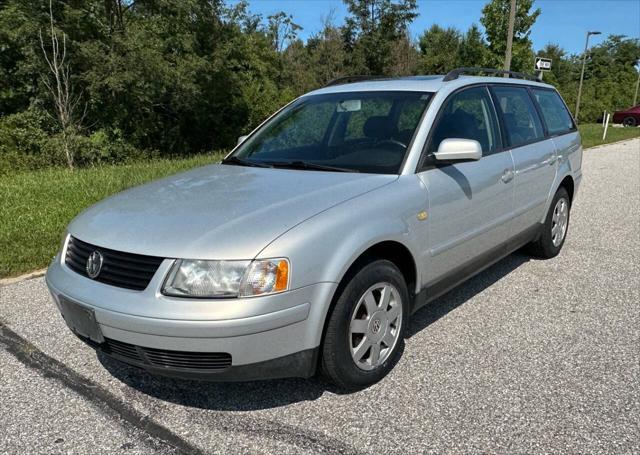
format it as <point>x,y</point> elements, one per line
<point>551,160</point>
<point>507,176</point>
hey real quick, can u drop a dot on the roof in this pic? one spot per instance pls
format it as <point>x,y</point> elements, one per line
<point>419,84</point>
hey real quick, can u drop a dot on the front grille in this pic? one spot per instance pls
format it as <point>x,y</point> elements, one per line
<point>180,360</point>
<point>123,270</point>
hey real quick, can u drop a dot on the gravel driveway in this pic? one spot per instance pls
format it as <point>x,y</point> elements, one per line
<point>529,356</point>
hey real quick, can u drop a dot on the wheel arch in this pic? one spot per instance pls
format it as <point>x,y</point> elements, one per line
<point>390,250</point>
<point>565,180</point>
<point>569,185</point>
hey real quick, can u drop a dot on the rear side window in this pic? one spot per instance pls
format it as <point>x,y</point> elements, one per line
<point>520,117</point>
<point>554,111</point>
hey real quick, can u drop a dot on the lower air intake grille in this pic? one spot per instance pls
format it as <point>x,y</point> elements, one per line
<point>180,360</point>
<point>121,349</point>
<point>188,360</point>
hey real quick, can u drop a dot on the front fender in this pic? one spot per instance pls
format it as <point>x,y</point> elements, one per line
<point>322,248</point>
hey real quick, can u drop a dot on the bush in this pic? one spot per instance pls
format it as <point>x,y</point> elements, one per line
<point>99,147</point>
<point>22,138</point>
<point>108,147</point>
<point>28,141</point>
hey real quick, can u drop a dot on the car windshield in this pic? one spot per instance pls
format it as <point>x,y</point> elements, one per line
<point>351,132</point>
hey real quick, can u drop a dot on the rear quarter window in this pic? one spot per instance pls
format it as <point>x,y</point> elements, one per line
<point>554,111</point>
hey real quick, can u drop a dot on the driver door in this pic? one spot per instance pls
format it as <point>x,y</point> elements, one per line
<point>470,203</point>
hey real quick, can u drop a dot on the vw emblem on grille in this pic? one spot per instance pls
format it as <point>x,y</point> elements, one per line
<point>94,264</point>
<point>376,326</point>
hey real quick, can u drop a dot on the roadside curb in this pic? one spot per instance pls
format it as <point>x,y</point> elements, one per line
<point>26,276</point>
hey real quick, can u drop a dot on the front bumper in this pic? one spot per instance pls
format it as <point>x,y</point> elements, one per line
<point>299,364</point>
<point>266,337</point>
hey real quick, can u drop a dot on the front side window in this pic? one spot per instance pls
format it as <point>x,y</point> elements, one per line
<point>358,132</point>
<point>467,115</point>
<point>554,111</point>
<point>519,115</point>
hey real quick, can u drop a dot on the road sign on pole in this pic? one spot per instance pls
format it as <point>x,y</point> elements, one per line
<point>543,64</point>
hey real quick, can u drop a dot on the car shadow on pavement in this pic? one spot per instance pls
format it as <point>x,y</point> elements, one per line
<point>256,395</point>
<point>443,305</point>
<point>222,396</point>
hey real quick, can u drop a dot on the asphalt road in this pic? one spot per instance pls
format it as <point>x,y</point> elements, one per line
<point>529,356</point>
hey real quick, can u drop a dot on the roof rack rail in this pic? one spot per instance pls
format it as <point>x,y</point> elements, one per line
<point>456,73</point>
<point>348,79</point>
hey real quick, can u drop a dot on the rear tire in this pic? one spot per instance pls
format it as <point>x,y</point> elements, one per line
<point>629,121</point>
<point>555,227</point>
<point>365,331</point>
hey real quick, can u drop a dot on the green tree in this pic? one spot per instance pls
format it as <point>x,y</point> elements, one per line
<point>372,27</point>
<point>21,62</point>
<point>495,19</point>
<point>282,30</point>
<point>327,53</point>
<point>439,49</point>
<point>610,76</point>
<point>404,58</point>
<point>473,49</point>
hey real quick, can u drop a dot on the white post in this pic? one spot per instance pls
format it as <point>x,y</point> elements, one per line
<point>604,117</point>
<point>606,126</point>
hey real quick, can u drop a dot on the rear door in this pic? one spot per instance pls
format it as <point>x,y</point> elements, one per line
<point>470,203</point>
<point>534,154</point>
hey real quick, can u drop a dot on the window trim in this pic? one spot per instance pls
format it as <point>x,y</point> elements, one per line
<point>421,166</point>
<point>410,145</point>
<point>573,128</point>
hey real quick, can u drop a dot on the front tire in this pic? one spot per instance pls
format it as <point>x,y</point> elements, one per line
<point>554,230</point>
<point>365,331</point>
<point>629,121</point>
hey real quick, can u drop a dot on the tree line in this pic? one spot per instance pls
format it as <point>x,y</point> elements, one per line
<point>91,81</point>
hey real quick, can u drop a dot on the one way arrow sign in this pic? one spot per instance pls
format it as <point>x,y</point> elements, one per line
<point>543,64</point>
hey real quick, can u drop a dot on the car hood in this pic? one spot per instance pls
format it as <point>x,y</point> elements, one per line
<point>216,211</point>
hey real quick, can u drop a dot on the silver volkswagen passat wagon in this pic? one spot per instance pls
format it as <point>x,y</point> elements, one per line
<point>311,244</point>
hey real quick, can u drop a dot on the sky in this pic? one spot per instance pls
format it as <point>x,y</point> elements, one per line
<point>564,22</point>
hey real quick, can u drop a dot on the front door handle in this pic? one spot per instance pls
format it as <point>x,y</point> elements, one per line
<point>507,175</point>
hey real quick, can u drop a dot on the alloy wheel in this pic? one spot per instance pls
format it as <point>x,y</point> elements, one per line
<point>559,221</point>
<point>375,326</point>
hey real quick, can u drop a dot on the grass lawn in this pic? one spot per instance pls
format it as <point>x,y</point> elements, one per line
<point>37,206</point>
<point>592,134</point>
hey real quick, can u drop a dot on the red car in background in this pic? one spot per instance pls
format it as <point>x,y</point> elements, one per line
<point>629,117</point>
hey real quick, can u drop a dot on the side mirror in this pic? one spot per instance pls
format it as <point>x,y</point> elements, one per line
<point>241,139</point>
<point>458,150</point>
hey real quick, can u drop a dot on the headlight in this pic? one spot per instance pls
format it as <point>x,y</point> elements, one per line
<point>211,279</point>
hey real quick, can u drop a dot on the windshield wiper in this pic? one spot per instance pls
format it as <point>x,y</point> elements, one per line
<point>309,166</point>
<point>242,162</point>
